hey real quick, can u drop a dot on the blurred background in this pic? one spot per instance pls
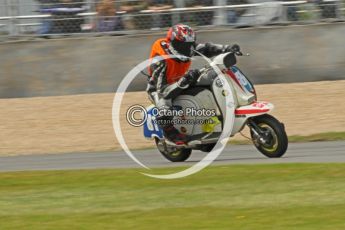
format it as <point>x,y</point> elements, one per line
<point>52,17</point>
<point>63,47</point>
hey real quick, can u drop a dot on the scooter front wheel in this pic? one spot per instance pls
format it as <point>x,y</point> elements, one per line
<point>171,153</point>
<point>271,139</point>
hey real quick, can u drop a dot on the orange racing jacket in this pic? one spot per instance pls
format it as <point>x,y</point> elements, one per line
<point>165,72</point>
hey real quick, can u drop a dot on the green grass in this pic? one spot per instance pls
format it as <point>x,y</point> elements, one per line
<point>282,196</point>
<point>331,136</point>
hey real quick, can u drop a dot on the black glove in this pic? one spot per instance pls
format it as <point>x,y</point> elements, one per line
<point>234,48</point>
<point>189,79</point>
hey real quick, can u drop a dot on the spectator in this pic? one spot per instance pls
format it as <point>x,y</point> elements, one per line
<point>47,24</point>
<point>199,18</point>
<point>107,19</point>
<point>206,16</point>
<point>66,18</point>
<point>133,19</point>
<point>161,19</point>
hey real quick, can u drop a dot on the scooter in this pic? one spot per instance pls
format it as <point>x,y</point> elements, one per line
<point>267,133</point>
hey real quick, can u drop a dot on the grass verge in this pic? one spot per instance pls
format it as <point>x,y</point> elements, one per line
<point>330,136</point>
<point>281,196</point>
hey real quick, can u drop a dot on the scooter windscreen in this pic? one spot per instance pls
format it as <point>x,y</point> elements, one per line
<point>230,60</point>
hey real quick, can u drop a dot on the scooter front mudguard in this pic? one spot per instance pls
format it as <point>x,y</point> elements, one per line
<point>255,109</point>
<point>244,112</point>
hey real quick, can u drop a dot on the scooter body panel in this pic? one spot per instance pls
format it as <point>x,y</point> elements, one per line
<point>151,128</point>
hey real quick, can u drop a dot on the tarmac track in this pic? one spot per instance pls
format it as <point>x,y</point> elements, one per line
<point>313,152</point>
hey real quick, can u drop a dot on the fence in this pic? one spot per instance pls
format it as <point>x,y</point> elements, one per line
<point>60,17</point>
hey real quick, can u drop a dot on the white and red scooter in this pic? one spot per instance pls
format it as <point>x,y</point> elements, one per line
<point>267,133</point>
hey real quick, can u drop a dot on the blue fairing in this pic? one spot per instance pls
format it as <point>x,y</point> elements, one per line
<point>151,129</point>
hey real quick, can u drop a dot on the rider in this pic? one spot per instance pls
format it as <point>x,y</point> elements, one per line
<point>170,75</point>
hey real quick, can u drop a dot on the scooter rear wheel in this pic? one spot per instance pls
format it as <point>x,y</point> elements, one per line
<point>171,153</point>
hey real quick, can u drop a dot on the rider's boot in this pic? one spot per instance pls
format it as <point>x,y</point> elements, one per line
<point>173,135</point>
